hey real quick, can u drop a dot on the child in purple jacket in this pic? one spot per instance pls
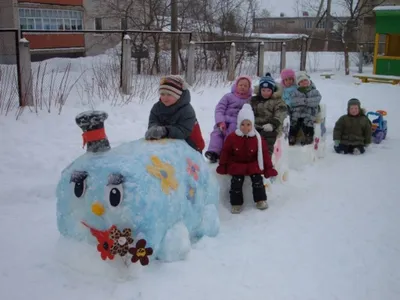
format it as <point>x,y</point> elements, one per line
<point>226,113</point>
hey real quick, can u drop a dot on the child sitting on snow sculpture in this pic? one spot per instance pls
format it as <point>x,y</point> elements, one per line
<point>269,110</point>
<point>245,153</point>
<point>173,116</point>
<point>352,132</point>
<point>304,109</point>
<point>289,85</point>
<point>226,113</point>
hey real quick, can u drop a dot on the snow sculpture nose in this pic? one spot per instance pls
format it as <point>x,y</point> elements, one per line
<point>98,209</point>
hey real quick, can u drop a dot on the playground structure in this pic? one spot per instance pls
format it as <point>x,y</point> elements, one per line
<point>379,126</point>
<point>386,65</point>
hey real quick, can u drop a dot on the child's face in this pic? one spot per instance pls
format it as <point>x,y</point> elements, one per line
<point>246,126</point>
<point>288,82</point>
<point>354,110</point>
<point>167,99</point>
<point>243,86</point>
<point>266,93</point>
<point>304,83</point>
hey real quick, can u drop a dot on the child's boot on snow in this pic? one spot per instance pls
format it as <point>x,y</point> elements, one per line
<point>292,140</point>
<point>261,205</point>
<point>308,135</point>
<point>236,209</point>
<point>212,156</point>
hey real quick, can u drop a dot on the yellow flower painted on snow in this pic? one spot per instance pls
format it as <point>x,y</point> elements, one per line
<point>165,172</point>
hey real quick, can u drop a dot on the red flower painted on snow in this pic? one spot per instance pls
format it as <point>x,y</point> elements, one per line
<point>277,150</point>
<point>141,253</point>
<point>104,241</point>
<point>192,169</point>
<point>316,142</point>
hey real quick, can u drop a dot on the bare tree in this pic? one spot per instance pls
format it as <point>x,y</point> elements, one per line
<point>345,28</point>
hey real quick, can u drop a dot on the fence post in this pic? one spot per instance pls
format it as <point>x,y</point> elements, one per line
<point>25,73</point>
<point>261,59</point>
<point>231,63</point>
<point>303,54</point>
<point>190,64</point>
<point>360,59</point>
<point>126,65</point>
<point>283,56</point>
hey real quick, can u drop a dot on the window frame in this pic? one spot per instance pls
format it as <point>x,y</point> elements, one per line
<point>50,19</point>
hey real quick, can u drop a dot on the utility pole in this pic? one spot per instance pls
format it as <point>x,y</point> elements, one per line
<point>327,25</point>
<point>174,38</point>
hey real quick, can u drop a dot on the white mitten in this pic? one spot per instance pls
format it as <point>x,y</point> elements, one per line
<point>268,127</point>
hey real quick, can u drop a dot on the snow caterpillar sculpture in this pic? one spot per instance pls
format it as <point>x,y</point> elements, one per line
<point>140,200</point>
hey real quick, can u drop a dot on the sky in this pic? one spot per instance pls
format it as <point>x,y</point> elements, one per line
<point>289,7</point>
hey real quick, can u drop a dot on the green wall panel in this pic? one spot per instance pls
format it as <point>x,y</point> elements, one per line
<point>388,23</point>
<point>388,67</point>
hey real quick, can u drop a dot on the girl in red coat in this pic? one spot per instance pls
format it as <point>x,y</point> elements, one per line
<point>245,153</point>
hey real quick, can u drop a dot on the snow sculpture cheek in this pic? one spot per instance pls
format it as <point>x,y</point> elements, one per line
<point>140,200</point>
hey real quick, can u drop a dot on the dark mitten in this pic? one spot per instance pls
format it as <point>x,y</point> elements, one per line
<point>156,133</point>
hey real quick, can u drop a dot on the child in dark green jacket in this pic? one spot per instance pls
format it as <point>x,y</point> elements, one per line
<point>352,132</point>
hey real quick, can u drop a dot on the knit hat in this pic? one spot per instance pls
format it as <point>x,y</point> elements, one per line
<point>173,85</point>
<point>353,101</point>
<point>246,113</point>
<point>287,73</point>
<point>267,82</point>
<point>302,76</point>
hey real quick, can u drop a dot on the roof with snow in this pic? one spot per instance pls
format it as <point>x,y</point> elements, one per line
<point>388,7</point>
<point>278,36</point>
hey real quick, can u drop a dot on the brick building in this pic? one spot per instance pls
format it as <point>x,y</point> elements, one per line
<point>59,15</point>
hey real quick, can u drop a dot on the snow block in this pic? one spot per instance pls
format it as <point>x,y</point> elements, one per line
<point>280,157</point>
<point>304,155</point>
<point>140,200</point>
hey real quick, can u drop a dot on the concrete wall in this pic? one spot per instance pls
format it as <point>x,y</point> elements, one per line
<point>98,43</point>
<point>8,19</point>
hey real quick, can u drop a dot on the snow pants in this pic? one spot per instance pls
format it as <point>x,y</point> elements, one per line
<point>217,138</point>
<point>236,191</point>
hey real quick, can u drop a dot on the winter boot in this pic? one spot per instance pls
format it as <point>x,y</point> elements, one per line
<point>236,209</point>
<point>261,205</point>
<point>308,140</point>
<point>292,140</point>
<point>212,156</point>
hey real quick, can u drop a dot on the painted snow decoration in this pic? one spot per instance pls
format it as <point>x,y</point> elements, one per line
<point>136,202</point>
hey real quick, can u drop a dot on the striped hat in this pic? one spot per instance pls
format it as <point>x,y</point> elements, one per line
<point>173,85</point>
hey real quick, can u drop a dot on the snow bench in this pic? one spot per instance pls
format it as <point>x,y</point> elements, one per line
<point>304,155</point>
<point>378,78</point>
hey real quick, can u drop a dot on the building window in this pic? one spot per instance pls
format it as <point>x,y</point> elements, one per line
<point>124,24</point>
<point>308,24</point>
<point>50,19</point>
<point>98,24</point>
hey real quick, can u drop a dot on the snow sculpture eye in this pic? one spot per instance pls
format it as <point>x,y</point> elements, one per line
<point>115,191</point>
<point>78,178</point>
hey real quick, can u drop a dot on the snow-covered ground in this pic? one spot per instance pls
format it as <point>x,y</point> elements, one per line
<point>332,232</point>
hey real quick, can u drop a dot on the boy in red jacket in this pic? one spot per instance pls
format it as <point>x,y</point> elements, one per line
<point>245,153</point>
